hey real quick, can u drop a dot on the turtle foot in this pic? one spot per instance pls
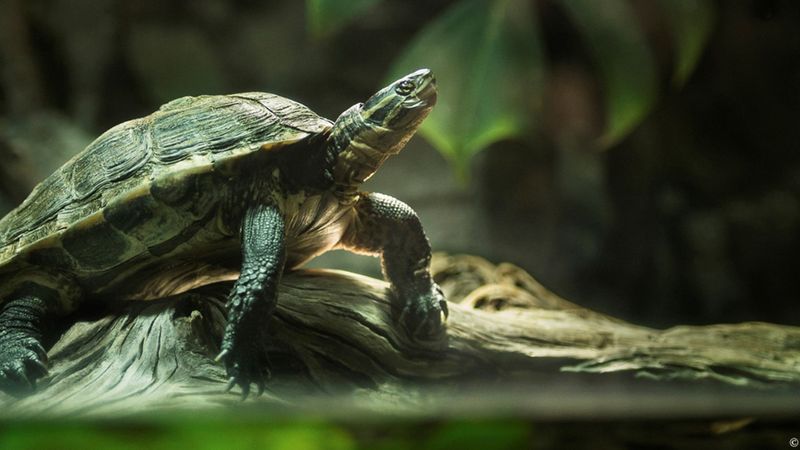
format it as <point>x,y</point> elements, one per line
<point>22,361</point>
<point>243,352</point>
<point>424,315</point>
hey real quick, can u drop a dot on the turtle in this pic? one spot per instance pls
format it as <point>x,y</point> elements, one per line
<point>216,187</point>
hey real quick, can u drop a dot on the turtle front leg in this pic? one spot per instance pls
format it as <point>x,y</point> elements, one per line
<point>22,357</point>
<point>388,227</point>
<point>253,298</point>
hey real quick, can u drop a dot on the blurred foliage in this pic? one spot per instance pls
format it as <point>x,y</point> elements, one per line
<point>295,435</point>
<point>174,436</point>
<point>488,57</point>
<point>479,435</point>
<point>162,57</point>
<point>232,433</point>
<point>691,22</point>
<point>326,16</point>
<point>625,63</point>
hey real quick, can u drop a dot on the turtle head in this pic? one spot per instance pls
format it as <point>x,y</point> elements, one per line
<point>365,135</point>
<point>401,106</point>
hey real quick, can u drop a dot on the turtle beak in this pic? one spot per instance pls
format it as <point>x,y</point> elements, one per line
<point>425,92</point>
<point>427,87</point>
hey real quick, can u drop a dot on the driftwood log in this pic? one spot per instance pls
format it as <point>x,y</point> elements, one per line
<point>332,338</point>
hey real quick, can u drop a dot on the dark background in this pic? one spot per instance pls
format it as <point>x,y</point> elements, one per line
<point>691,218</point>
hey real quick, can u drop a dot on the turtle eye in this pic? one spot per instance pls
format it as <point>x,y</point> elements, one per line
<point>405,87</point>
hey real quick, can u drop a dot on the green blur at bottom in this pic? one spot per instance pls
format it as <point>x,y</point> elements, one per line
<point>462,435</point>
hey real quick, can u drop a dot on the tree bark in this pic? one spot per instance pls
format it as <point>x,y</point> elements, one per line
<point>332,335</point>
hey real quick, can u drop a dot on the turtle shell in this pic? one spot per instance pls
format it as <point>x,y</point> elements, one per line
<point>190,132</point>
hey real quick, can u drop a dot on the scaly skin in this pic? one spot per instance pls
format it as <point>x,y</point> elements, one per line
<point>252,299</point>
<point>382,226</point>
<point>389,228</point>
<point>22,357</point>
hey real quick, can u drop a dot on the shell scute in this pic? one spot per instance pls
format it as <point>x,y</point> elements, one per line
<point>211,125</point>
<point>117,154</point>
<point>189,135</point>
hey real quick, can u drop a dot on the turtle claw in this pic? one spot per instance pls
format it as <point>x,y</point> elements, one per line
<point>424,316</point>
<point>221,356</point>
<point>40,368</point>
<point>231,384</point>
<point>245,370</point>
<point>244,356</point>
<point>261,387</point>
<point>13,376</point>
<point>245,391</point>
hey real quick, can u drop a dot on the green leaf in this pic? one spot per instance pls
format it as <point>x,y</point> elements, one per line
<point>326,16</point>
<point>692,21</point>
<point>626,65</point>
<point>487,60</point>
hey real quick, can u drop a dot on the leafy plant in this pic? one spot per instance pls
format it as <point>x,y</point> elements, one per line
<point>489,59</point>
<point>487,56</point>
